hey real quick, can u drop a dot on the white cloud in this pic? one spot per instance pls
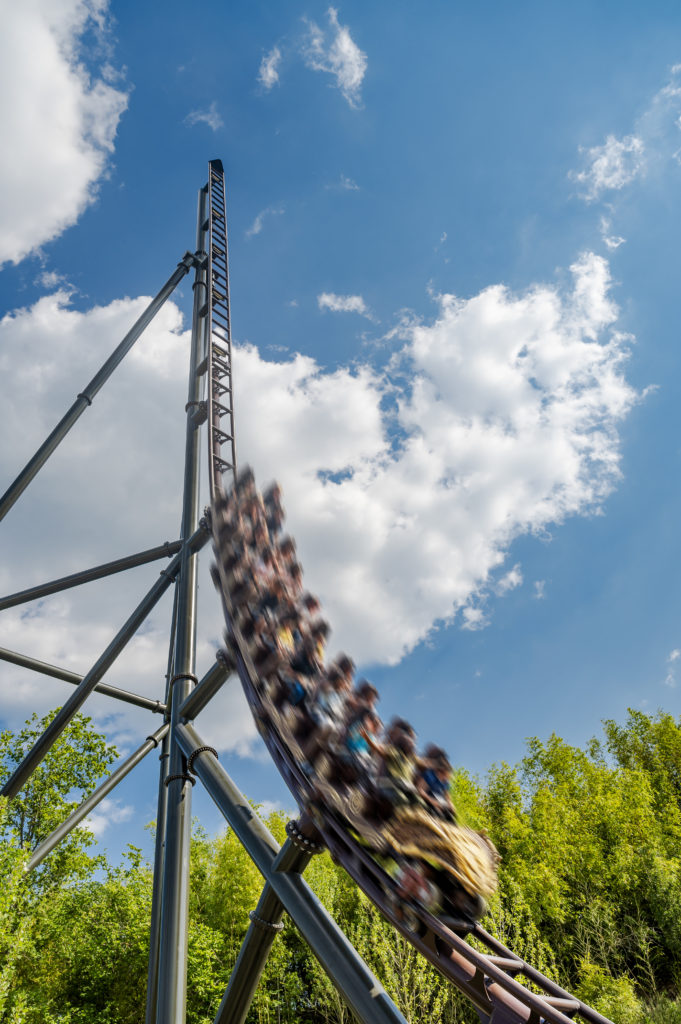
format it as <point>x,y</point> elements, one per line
<point>473,618</point>
<point>50,279</point>
<point>108,812</point>
<point>338,55</point>
<point>509,424</point>
<point>211,117</point>
<point>343,303</point>
<point>540,589</point>
<point>404,487</point>
<point>257,225</point>
<point>643,154</point>
<point>612,242</point>
<point>672,658</point>
<point>60,118</point>
<point>509,581</point>
<point>268,73</point>
<point>611,166</point>
<point>344,184</point>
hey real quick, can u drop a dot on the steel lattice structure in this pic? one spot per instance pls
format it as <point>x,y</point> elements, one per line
<point>489,979</point>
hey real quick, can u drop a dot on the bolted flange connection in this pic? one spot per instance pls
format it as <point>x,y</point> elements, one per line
<point>268,926</point>
<point>195,753</point>
<point>180,775</point>
<point>299,839</point>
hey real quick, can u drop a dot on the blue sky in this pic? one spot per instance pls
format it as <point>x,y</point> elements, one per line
<point>453,244</point>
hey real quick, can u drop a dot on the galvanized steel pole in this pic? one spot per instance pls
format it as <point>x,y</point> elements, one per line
<point>159,849</point>
<point>14,658</point>
<point>365,996</point>
<point>264,927</point>
<point>172,962</point>
<point>98,572</point>
<point>214,678</point>
<point>89,682</point>
<point>84,399</point>
<point>87,805</point>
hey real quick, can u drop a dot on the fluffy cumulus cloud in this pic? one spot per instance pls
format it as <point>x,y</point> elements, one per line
<point>405,498</point>
<point>404,485</point>
<point>336,53</point>
<point>61,116</point>
<point>342,303</point>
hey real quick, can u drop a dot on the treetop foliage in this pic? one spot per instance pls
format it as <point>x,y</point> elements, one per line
<point>590,892</point>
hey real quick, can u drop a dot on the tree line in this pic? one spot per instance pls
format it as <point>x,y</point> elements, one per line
<point>589,892</point>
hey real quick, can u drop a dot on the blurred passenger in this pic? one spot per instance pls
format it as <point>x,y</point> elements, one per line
<point>434,782</point>
<point>325,714</point>
<point>396,780</point>
<point>274,510</point>
<point>360,744</point>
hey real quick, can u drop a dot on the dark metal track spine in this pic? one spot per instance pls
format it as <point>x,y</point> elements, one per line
<point>221,439</point>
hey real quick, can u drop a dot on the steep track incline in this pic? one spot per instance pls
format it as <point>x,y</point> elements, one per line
<point>488,972</point>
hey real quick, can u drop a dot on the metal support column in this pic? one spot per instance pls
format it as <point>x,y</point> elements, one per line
<point>87,575</point>
<point>208,687</point>
<point>89,682</point>
<point>14,658</point>
<point>84,399</point>
<point>264,927</point>
<point>159,849</point>
<point>361,990</point>
<point>47,845</point>
<point>172,962</point>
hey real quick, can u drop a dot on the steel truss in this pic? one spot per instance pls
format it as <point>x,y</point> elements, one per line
<point>488,979</point>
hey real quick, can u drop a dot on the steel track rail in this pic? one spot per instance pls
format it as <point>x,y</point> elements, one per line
<point>489,980</point>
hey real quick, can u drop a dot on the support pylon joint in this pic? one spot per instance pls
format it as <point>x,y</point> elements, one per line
<point>268,926</point>
<point>200,750</point>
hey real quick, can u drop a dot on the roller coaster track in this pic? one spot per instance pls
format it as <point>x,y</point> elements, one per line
<point>221,405</point>
<point>488,978</point>
<point>487,972</point>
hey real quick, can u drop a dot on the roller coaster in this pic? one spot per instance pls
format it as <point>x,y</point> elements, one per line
<point>376,844</point>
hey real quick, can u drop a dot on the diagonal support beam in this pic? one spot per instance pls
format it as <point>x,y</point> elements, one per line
<point>47,845</point>
<point>85,688</point>
<point>87,575</point>
<point>205,690</point>
<point>84,399</point>
<point>157,706</point>
<point>346,969</point>
<point>264,927</point>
